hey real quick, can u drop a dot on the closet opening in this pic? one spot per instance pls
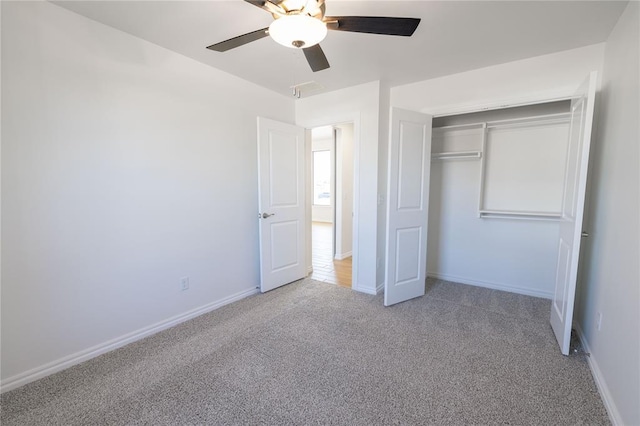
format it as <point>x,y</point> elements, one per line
<point>496,192</point>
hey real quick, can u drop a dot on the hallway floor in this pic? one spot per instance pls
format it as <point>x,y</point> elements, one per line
<point>325,267</point>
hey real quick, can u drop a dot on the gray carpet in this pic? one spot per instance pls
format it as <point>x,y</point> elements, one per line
<point>313,353</point>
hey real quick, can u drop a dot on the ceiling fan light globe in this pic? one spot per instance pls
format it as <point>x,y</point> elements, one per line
<point>298,31</point>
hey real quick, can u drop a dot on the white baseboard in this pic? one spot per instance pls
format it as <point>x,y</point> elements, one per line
<point>495,286</point>
<point>601,384</point>
<point>343,256</point>
<point>94,351</point>
<point>366,290</point>
<point>380,288</point>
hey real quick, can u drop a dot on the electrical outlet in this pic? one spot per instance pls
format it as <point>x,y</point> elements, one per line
<point>184,283</point>
<point>598,320</point>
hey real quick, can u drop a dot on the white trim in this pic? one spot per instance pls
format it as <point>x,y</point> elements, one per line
<point>598,377</point>
<point>355,224</point>
<point>343,256</point>
<point>366,290</point>
<point>94,351</point>
<point>309,270</point>
<point>494,286</point>
<point>380,288</point>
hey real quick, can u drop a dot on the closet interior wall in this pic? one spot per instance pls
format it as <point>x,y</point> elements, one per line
<point>496,186</point>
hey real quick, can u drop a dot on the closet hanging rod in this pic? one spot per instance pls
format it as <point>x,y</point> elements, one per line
<point>460,126</point>
<point>505,214</point>
<point>453,155</point>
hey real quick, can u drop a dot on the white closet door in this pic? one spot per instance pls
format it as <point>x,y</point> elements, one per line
<point>572,211</point>
<point>408,205</point>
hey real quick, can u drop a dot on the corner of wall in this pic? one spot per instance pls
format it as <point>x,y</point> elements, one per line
<point>608,314</point>
<point>383,159</point>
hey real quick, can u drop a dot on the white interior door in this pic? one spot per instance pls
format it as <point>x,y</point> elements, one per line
<point>281,203</point>
<point>572,211</point>
<point>407,205</point>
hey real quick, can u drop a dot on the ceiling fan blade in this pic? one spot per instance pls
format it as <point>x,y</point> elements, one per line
<point>269,6</point>
<point>315,57</point>
<point>240,40</point>
<point>373,24</point>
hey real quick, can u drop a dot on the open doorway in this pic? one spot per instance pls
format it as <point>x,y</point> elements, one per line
<point>332,163</point>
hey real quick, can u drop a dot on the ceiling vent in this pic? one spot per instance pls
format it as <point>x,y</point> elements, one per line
<point>307,88</point>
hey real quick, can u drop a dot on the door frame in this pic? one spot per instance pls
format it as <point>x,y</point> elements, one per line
<point>342,119</point>
<point>329,210</point>
<point>339,218</point>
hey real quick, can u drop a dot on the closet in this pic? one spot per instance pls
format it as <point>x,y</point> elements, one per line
<point>496,192</point>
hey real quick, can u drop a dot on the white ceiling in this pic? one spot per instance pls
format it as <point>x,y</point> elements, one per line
<point>454,36</point>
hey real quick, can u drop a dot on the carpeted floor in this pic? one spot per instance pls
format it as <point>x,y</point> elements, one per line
<point>314,353</point>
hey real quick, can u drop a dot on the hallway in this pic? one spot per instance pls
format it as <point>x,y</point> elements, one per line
<point>325,267</point>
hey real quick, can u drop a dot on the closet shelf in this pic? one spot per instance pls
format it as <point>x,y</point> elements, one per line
<point>454,155</point>
<point>505,214</point>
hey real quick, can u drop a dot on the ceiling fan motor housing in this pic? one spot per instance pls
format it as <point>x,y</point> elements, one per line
<point>298,30</point>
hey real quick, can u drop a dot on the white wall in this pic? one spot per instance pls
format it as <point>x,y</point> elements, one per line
<point>384,134</point>
<point>344,191</point>
<point>358,104</point>
<point>610,274</point>
<point>124,167</point>
<point>541,77</point>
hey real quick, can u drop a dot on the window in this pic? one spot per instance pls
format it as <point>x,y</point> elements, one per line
<point>322,178</point>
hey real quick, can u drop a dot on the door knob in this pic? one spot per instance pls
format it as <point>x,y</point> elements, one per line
<point>266,215</point>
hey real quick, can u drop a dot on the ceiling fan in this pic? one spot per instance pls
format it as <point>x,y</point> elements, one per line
<point>301,24</point>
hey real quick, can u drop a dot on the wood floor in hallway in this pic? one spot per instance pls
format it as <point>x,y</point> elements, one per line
<point>325,267</point>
